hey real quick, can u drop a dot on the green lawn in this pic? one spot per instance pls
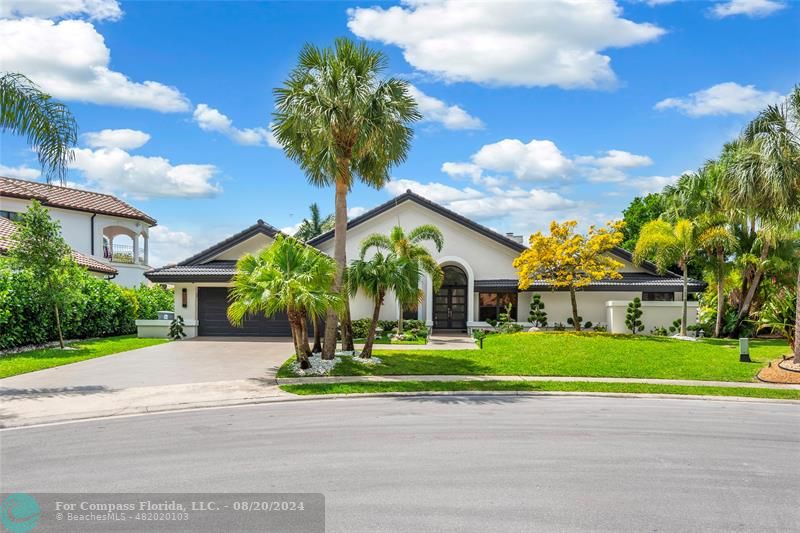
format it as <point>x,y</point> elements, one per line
<point>578,354</point>
<point>538,386</point>
<point>13,364</point>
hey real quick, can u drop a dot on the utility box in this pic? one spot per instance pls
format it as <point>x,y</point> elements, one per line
<point>744,350</point>
<point>166,315</point>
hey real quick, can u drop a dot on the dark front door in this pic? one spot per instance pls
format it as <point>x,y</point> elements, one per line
<point>212,307</point>
<point>450,302</point>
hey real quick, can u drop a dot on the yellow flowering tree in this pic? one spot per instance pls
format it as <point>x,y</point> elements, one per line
<point>569,260</point>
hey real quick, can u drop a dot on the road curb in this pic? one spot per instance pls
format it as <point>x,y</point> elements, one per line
<point>289,398</point>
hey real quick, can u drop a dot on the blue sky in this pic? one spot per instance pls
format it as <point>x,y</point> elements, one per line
<point>534,111</point>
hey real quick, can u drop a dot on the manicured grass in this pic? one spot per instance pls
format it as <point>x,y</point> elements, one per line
<point>13,364</point>
<point>536,386</point>
<point>578,354</point>
<point>387,340</point>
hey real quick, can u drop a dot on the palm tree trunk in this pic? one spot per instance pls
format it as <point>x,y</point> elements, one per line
<point>347,325</point>
<point>303,323</point>
<point>367,351</point>
<point>797,323</point>
<point>317,337</point>
<point>685,298</point>
<point>744,310</point>
<point>294,325</point>
<point>340,256</point>
<point>720,292</point>
<point>58,328</point>
<point>574,300</point>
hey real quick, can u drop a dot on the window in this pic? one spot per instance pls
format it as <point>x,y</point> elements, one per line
<point>410,314</point>
<point>11,215</point>
<point>658,296</point>
<point>491,304</point>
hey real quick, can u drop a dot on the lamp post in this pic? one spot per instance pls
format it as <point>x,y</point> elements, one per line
<point>744,350</point>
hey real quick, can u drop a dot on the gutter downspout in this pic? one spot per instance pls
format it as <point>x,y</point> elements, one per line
<point>92,232</point>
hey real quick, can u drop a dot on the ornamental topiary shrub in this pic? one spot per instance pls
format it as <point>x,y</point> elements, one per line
<point>633,316</point>
<point>537,315</point>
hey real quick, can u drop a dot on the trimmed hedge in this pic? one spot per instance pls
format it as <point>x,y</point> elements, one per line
<point>99,308</point>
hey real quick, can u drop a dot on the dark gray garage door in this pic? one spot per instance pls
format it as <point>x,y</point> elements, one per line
<point>212,305</point>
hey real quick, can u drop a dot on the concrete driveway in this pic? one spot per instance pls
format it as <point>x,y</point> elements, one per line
<point>198,360</point>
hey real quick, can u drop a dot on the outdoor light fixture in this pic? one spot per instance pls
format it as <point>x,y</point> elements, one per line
<point>744,350</point>
<point>184,297</point>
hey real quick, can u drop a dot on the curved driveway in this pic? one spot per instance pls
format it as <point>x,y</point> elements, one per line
<point>450,463</point>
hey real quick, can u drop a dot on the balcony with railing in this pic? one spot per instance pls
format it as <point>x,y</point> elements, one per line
<point>122,253</point>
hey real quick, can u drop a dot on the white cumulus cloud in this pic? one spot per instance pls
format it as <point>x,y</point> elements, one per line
<point>69,60</point>
<point>649,184</point>
<point>210,119</point>
<point>535,160</point>
<point>92,9</point>
<point>435,192</point>
<point>124,138</point>
<point>21,172</point>
<point>749,8</point>
<point>142,177</point>
<point>727,98</point>
<point>451,117</point>
<point>353,212</point>
<point>518,43</point>
<point>611,167</point>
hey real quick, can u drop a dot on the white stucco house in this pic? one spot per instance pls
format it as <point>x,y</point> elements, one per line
<point>479,278</point>
<point>108,236</point>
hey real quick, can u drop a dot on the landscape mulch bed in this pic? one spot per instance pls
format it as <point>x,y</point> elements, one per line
<point>775,374</point>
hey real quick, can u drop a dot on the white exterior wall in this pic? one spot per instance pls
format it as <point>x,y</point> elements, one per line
<point>76,228</point>
<point>654,314</point>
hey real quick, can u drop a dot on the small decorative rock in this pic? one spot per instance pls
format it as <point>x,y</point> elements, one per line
<point>319,367</point>
<point>368,360</point>
<point>534,329</point>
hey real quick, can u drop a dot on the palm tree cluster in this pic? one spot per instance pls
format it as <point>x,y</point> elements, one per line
<point>737,218</point>
<point>342,122</point>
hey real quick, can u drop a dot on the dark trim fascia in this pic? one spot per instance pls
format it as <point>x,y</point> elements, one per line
<point>424,202</point>
<point>166,277</point>
<point>259,227</point>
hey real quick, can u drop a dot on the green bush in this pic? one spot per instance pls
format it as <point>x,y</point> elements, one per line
<point>98,308</point>
<point>360,328</point>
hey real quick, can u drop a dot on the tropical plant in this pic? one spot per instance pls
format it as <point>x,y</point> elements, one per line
<point>768,171</point>
<point>633,316</point>
<point>287,276</point>
<point>315,225</point>
<point>565,259</point>
<point>48,126</point>
<point>778,315</point>
<point>176,332</point>
<point>537,315</point>
<point>37,246</point>
<point>376,277</point>
<point>479,335</point>
<point>668,245</point>
<point>409,246</point>
<point>639,212</point>
<point>340,121</point>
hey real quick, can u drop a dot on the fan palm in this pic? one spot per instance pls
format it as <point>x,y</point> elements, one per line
<point>409,246</point>
<point>767,173</point>
<point>668,245</point>
<point>376,277</point>
<point>315,225</point>
<point>289,277</point>
<point>340,122</point>
<point>48,126</point>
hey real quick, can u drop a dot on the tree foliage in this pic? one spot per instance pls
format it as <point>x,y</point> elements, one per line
<point>569,260</point>
<point>640,211</point>
<point>315,225</point>
<point>48,126</point>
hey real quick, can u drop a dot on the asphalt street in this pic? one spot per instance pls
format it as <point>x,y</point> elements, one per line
<point>449,463</point>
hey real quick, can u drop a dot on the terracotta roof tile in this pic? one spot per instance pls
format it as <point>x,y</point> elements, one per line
<point>69,198</point>
<point>7,229</point>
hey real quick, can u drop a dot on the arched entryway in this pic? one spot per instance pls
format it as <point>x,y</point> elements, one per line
<point>450,302</point>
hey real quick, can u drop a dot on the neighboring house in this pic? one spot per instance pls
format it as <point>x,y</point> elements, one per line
<point>479,278</point>
<point>107,235</point>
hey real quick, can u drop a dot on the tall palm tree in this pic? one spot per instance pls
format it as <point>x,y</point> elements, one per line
<point>289,277</point>
<point>766,178</point>
<point>668,245</point>
<point>409,246</point>
<point>340,121</point>
<point>376,277</point>
<point>315,225</point>
<point>48,126</point>
<point>699,196</point>
<point>774,168</point>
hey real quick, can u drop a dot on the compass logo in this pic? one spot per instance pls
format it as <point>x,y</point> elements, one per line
<point>20,512</point>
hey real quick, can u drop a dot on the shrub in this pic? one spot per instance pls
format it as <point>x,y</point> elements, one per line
<point>388,326</point>
<point>558,326</point>
<point>176,332</point>
<point>659,331</point>
<point>98,308</point>
<point>586,325</point>
<point>537,315</point>
<point>633,316</point>
<point>360,328</point>
<point>600,328</point>
<point>479,335</point>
